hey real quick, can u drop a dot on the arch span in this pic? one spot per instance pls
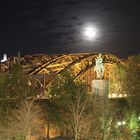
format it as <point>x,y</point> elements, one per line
<point>45,68</point>
<point>80,65</point>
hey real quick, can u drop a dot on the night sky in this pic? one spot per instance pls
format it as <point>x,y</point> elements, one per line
<point>55,26</point>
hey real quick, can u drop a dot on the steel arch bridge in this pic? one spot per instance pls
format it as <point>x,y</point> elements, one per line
<point>44,68</point>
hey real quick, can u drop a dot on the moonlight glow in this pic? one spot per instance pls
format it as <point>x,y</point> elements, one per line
<point>90,32</point>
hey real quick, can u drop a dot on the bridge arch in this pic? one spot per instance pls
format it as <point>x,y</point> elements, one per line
<point>80,65</point>
<point>43,68</point>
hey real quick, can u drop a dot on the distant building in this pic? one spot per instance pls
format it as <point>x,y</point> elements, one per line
<point>4,58</point>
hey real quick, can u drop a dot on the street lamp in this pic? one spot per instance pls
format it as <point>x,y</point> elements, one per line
<point>121,123</point>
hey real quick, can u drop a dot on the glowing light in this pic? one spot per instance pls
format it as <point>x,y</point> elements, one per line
<point>119,123</point>
<point>109,95</point>
<point>120,95</point>
<point>114,95</point>
<point>4,58</point>
<point>123,122</point>
<point>29,82</point>
<point>90,32</point>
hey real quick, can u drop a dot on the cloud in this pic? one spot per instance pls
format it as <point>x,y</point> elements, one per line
<point>57,23</point>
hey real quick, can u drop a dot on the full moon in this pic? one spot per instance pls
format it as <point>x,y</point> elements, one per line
<point>89,32</point>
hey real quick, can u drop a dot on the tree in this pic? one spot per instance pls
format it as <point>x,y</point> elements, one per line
<point>125,80</point>
<point>14,87</point>
<point>50,115</point>
<point>73,104</point>
<point>81,115</point>
<point>116,79</point>
<point>84,115</point>
<point>27,119</point>
<point>6,133</point>
<point>133,125</point>
<point>132,82</point>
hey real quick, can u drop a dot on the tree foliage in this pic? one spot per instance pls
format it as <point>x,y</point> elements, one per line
<point>73,105</point>
<point>132,82</point>
<point>24,121</point>
<point>84,115</point>
<point>15,85</point>
<point>125,80</point>
<point>116,80</point>
<point>27,119</point>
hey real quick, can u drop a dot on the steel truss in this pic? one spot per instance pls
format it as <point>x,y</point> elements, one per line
<point>43,69</point>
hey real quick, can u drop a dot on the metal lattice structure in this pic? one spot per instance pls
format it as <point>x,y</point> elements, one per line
<point>44,68</point>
